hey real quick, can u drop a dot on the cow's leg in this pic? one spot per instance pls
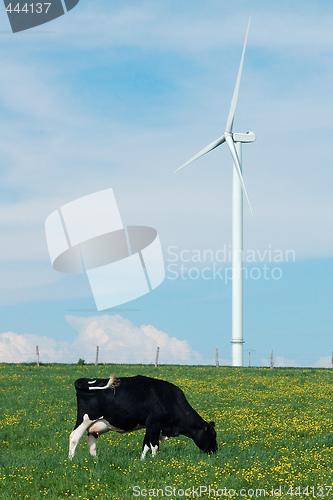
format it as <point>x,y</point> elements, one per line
<point>77,434</point>
<point>151,440</point>
<point>92,442</point>
<point>154,450</point>
<point>145,446</point>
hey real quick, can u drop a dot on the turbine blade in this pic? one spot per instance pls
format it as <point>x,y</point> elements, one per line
<point>208,148</point>
<point>233,152</point>
<point>233,105</point>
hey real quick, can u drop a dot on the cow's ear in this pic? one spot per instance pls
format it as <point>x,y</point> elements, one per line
<point>211,423</point>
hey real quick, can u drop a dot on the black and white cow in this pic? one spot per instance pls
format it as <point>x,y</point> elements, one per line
<point>129,403</point>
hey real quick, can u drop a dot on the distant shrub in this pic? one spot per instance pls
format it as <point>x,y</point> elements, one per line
<point>81,362</point>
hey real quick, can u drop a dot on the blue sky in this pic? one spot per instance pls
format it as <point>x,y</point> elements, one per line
<point>119,95</point>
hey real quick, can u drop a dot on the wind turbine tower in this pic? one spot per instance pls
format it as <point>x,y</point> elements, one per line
<point>234,142</point>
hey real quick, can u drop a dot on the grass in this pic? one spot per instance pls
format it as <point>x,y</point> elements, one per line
<point>274,431</point>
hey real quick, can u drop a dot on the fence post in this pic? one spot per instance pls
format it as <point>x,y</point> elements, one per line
<point>97,353</point>
<point>217,358</point>
<point>157,354</point>
<point>37,354</point>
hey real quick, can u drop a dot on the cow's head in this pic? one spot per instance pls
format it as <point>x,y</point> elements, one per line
<point>205,439</point>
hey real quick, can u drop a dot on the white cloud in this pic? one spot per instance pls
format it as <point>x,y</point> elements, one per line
<point>118,339</point>
<point>17,348</point>
<point>281,362</point>
<point>303,361</point>
<point>122,342</point>
<point>164,25</point>
<point>323,362</point>
<point>56,147</point>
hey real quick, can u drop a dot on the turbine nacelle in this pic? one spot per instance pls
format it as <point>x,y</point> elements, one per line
<point>248,137</point>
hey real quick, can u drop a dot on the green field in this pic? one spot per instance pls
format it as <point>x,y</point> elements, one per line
<point>274,430</point>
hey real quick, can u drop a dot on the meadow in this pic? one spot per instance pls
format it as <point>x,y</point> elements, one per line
<point>274,430</point>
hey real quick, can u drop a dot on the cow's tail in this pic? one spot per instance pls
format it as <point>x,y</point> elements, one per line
<point>87,384</point>
<point>112,384</point>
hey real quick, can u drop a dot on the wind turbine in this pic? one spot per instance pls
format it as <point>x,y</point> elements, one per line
<point>234,142</point>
